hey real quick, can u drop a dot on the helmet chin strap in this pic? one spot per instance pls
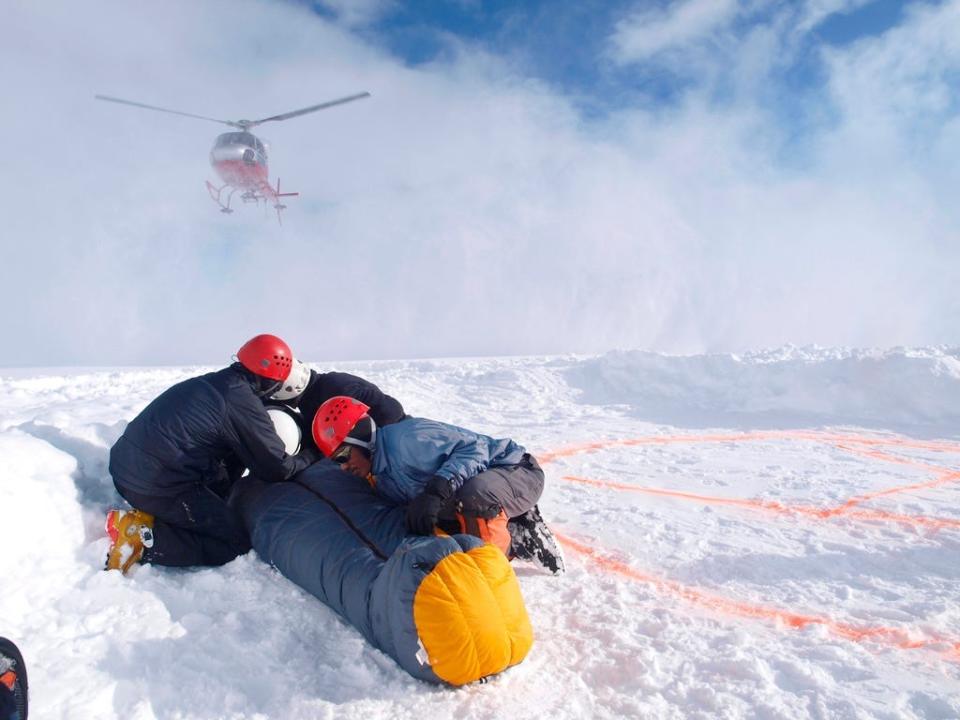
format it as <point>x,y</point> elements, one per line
<point>263,386</point>
<point>264,389</point>
<point>294,402</point>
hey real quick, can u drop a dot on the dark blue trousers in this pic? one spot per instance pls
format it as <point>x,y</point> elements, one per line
<point>196,527</point>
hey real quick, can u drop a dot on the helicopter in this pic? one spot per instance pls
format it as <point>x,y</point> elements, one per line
<point>240,157</point>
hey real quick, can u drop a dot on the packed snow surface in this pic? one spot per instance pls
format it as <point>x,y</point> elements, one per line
<point>773,535</point>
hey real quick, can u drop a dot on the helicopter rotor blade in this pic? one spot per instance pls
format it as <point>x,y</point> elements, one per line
<point>312,108</point>
<point>173,112</point>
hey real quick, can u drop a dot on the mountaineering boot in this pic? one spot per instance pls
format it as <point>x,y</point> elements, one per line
<point>531,539</point>
<point>130,532</point>
<point>13,682</point>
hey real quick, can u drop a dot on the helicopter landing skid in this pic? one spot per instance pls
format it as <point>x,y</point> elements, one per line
<point>217,192</point>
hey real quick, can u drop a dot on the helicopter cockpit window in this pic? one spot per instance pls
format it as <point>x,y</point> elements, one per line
<point>237,138</point>
<point>240,145</point>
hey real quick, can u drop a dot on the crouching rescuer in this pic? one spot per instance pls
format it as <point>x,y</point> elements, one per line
<point>450,478</point>
<point>178,459</point>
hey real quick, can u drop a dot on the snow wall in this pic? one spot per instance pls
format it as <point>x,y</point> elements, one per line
<point>914,390</point>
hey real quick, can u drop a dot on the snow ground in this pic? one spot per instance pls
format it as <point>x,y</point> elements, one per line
<point>775,535</point>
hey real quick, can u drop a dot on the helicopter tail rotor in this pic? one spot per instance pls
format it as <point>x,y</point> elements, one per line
<point>277,204</point>
<point>284,194</point>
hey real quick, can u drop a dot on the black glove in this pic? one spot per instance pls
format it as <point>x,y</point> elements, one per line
<point>423,510</point>
<point>310,454</point>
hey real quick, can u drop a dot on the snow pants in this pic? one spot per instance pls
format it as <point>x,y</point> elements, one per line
<point>196,527</point>
<point>485,503</point>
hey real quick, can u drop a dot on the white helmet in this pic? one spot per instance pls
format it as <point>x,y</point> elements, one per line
<point>287,428</point>
<point>295,383</point>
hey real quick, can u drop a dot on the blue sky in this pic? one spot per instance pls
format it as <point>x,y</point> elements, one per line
<point>565,44</point>
<point>683,176</point>
<point>572,49</point>
<point>873,18</point>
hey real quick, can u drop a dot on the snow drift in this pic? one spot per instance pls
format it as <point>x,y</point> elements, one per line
<point>917,389</point>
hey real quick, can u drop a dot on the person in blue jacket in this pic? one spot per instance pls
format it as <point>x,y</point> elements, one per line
<point>449,477</point>
<point>177,460</point>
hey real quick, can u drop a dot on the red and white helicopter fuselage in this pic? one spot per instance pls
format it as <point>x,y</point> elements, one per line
<point>240,160</point>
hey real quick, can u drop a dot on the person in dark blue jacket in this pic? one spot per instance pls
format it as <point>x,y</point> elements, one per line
<point>449,477</point>
<point>176,461</point>
<point>305,390</point>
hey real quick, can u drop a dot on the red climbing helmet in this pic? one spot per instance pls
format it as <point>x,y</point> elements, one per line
<point>267,356</point>
<point>334,421</point>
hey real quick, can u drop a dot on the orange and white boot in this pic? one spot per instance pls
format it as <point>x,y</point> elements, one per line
<point>130,532</point>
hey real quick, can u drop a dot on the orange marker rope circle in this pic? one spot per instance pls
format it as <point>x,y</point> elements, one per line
<point>860,445</point>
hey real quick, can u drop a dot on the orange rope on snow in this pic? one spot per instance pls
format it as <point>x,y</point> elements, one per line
<point>944,479</point>
<point>811,435</point>
<point>893,637</point>
<point>772,506</point>
<point>859,445</point>
<point>895,459</point>
<point>848,443</point>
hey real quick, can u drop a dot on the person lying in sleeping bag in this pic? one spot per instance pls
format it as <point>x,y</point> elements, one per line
<point>449,477</point>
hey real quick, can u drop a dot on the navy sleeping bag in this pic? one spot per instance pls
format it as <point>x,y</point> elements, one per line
<point>446,608</point>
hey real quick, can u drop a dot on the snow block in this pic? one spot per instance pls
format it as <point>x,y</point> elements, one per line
<point>446,608</point>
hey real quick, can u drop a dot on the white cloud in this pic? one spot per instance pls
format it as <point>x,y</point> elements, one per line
<point>907,74</point>
<point>649,32</point>
<point>813,12</point>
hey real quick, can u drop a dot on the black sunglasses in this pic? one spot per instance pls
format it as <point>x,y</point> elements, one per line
<point>341,454</point>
